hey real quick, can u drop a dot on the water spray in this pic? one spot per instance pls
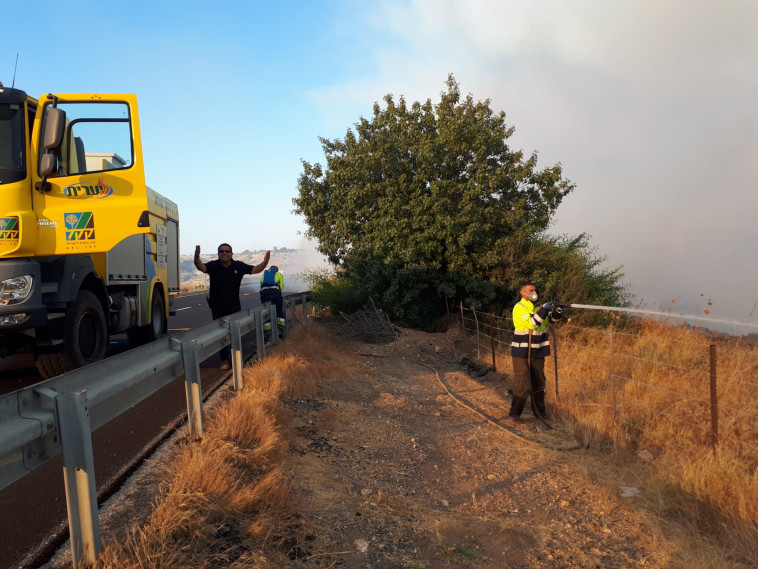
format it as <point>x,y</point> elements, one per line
<point>660,313</point>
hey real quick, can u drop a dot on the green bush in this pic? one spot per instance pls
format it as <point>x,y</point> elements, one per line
<point>332,294</point>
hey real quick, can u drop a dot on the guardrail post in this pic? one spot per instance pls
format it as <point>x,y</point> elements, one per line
<point>193,387</point>
<point>234,329</point>
<point>260,341</point>
<point>274,323</point>
<point>79,476</point>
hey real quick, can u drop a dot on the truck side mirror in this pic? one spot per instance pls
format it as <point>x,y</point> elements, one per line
<point>48,164</point>
<point>55,123</point>
<point>52,138</point>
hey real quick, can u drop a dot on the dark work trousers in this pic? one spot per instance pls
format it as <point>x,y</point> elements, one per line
<point>274,296</point>
<point>521,377</point>
<point>224,353</point>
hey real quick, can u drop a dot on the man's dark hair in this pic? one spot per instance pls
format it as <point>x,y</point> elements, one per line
<point>224,245</point>
<point>525,283</point>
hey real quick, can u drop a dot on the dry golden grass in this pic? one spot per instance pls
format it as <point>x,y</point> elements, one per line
<point>639,400</point>
<point>225,498</point>
<point>225,503</point>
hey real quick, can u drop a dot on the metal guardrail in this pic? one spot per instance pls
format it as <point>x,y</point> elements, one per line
<point>59,414</point>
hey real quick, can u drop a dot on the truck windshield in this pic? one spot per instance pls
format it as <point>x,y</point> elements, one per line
<point>12,147</point>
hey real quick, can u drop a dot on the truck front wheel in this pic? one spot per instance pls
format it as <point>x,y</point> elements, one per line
<point>85,332</point>
<point>85,337</point>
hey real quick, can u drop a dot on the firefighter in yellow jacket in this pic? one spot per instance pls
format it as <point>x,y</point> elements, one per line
<point>529,349</point>
<point>272,285</point>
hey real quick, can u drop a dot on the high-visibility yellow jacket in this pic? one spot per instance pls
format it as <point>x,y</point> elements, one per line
<point>525,321</point>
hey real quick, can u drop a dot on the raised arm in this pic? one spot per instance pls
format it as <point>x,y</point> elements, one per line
<point>262,265</point>
<point>198,263</point>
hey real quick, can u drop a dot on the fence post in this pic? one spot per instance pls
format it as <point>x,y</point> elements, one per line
<point>478,340</point>
<point>463,321</point>
<point>610,370</point>
<point>492,343</point>
<point>714,400</point>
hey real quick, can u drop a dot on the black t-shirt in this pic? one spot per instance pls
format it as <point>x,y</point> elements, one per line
<point>225,284</point>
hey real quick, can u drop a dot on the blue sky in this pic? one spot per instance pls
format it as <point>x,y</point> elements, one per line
<point>648,105</point>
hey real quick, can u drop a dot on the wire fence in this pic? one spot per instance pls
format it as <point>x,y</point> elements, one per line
<point>654,383</point>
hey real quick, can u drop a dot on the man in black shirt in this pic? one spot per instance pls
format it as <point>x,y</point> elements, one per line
<point>226,276</point>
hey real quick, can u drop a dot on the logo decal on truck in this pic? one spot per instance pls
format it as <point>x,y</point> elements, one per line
<point>94,191</point>
<point>80,227</point>
<point>9,228</point>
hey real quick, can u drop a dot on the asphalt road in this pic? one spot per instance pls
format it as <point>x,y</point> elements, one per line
<point>34,508</point>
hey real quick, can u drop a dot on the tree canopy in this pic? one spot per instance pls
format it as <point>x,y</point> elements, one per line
<point>424,203</point>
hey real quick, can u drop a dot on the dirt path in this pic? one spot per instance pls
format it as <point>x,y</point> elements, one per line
<point>389,470</point>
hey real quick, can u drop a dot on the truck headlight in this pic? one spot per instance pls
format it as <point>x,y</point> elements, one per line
<point>15,289</point>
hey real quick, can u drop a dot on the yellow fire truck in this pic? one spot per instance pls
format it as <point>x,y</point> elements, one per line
<point>86,248</point>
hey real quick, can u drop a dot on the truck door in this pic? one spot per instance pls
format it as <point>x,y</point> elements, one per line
<point>172,255</point>
<point>95,194</point>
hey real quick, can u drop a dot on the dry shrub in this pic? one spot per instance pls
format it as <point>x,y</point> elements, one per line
<point>277,365</point>
<point>143,549</point>
<point>229,484</point>
<point>247,431</point>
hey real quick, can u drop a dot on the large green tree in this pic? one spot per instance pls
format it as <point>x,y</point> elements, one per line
<point>423,203</point>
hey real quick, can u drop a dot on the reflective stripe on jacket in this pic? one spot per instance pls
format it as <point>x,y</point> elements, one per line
<point>525,319</point>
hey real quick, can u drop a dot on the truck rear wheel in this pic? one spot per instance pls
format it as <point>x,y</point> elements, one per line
<point>155,329</point>
<point>85,337</point>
